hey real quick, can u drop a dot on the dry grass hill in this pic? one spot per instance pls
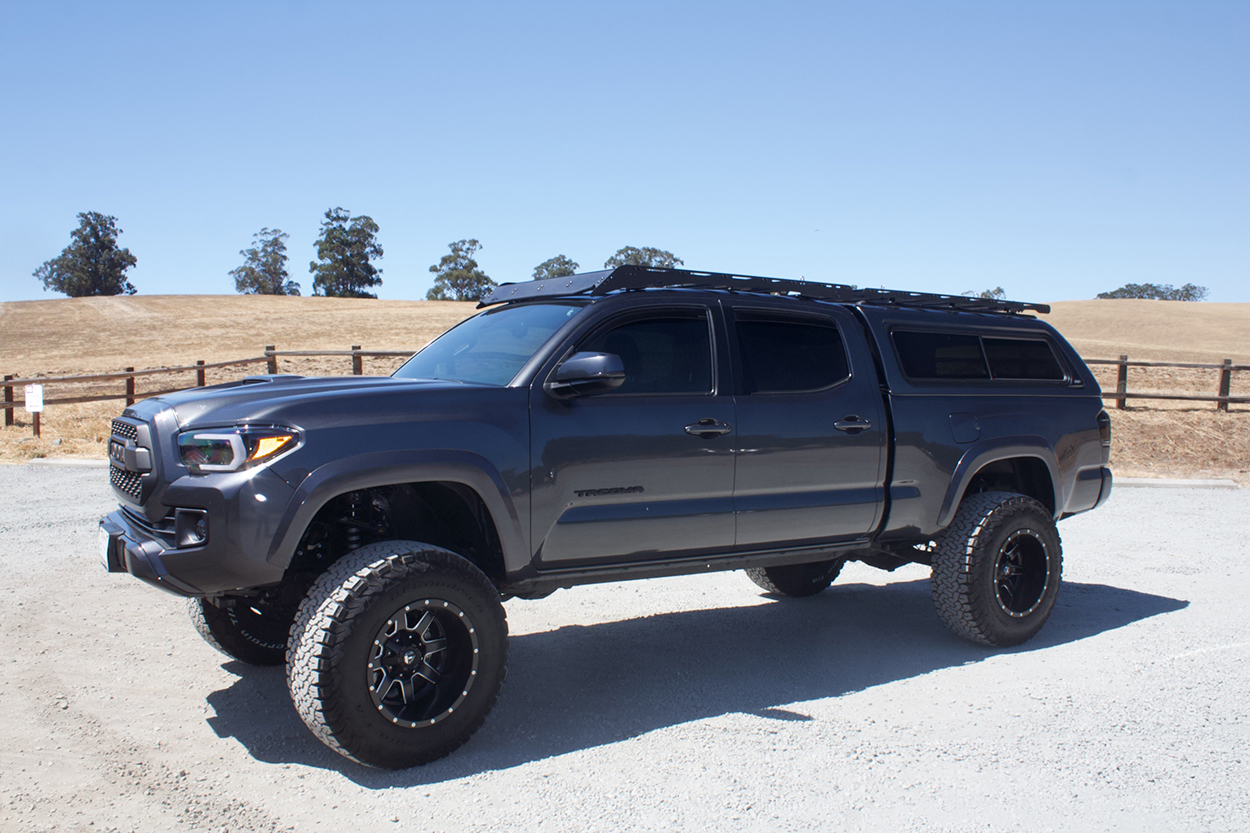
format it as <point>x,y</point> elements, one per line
<point>103,334</point>
<point>1155,330</point>
<point>96,335</point>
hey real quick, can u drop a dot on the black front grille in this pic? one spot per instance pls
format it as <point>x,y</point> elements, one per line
<point>126,481</point>
<point>125,429</point>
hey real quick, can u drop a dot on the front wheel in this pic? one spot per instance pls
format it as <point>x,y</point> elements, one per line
<point>397,654</point>
<point>997,569</point>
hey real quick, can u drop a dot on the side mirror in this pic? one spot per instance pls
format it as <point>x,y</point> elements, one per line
<point>586,373</point>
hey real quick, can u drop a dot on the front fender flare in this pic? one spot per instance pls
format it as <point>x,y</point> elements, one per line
<point>388,468</point>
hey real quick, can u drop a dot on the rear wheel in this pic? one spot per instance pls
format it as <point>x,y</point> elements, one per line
<point>796,579</point>
<point>997,569</point>
<point>398,653</point>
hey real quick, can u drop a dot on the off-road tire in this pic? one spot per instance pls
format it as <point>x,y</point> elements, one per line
<point>343,664</point>
<point>253,635</point>
<point>997,569</point>
<point>796,579</point>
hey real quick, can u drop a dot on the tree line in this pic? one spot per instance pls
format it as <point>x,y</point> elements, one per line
<point>1158,292</point>
<point>94,264</point>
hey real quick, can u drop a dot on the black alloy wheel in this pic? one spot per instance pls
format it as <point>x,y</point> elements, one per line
<point>1021,573</point>
<point>398,653</point>
<point>997,569</point>
<point>424,662</point>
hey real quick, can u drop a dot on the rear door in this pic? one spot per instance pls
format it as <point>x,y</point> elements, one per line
<point>811,429</point>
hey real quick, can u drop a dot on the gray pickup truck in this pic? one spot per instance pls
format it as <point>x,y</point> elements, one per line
<point>606,426</point>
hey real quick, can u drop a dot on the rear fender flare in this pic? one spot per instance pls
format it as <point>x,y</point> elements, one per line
<point>989,451</point>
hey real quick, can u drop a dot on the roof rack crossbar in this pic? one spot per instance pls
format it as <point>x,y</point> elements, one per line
<point>626,278</point>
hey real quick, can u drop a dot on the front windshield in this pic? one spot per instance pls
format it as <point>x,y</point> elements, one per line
<point>490,348</point>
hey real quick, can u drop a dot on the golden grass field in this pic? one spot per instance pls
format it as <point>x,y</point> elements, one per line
<point>98,335</point>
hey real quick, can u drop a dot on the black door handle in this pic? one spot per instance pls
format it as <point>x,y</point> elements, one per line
<point>852,424</point>
<point>708,429</point>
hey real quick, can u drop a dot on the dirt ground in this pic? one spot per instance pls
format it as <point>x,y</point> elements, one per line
<point>692,703</point>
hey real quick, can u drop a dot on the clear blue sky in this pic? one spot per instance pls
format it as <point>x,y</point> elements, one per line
<point>1056,149</point>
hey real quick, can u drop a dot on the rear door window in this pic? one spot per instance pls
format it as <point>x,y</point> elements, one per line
<point>788,354</point>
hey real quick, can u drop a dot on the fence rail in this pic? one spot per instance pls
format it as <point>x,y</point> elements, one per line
<point>10,404</point>
<point>270,359</point>
<point>1221,399</point>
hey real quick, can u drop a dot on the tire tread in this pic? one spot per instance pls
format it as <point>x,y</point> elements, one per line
<point>954,560</point>
<point>335,598</point>
<point>213,628</point>
<point>795,580</point>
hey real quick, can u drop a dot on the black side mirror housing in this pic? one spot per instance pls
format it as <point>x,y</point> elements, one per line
<point>586,373</point>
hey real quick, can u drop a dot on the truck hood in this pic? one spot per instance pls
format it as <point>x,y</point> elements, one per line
<point>260,399</point>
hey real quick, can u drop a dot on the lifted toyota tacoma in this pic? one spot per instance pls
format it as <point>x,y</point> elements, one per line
<point>612,425</point>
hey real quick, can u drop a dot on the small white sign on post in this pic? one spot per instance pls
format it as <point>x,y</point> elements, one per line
<point>34,399</point>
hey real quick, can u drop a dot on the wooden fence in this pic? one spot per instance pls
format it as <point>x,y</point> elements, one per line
<point>129,375</point>
<point>1221,398</point>
<point>1120,396</point>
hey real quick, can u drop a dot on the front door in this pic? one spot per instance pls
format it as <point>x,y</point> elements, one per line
<point>643,472</point>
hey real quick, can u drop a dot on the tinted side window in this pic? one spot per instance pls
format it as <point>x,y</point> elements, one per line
<point>940,355</point>
<point>671,353</point>
<point>788,354</point>
<point>1012,358</point>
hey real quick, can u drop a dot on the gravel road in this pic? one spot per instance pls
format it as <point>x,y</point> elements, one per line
<point>673,704</point>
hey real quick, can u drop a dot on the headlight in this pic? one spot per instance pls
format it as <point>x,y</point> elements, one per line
<point>231,449</point>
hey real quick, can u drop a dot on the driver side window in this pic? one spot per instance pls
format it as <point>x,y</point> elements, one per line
<point>669,352</point>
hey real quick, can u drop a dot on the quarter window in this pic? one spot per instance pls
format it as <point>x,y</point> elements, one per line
<point>788,354</point>
<point>941,355</point>
<point>966,356</point>
<point>1012,358</point>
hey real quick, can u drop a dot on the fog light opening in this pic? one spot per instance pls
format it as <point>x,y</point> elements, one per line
<point>191,527</point>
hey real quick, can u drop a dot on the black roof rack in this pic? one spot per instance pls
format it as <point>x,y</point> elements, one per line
<point>646,277</point>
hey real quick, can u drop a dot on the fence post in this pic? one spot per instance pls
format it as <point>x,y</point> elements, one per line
<point>273,360</point>
<point>130,387</point>
<point>1226,379</point>
<point>1121,384</point>
<point>199,373</point>
<point>357,362</point>
<point>8,400</point>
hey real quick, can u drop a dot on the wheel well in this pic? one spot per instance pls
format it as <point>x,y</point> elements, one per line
<point>1024,475</point>
<point>445,514</point>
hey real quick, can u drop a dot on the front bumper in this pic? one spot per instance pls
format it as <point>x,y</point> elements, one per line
<point>125,548</point>
<point>243,511</point>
